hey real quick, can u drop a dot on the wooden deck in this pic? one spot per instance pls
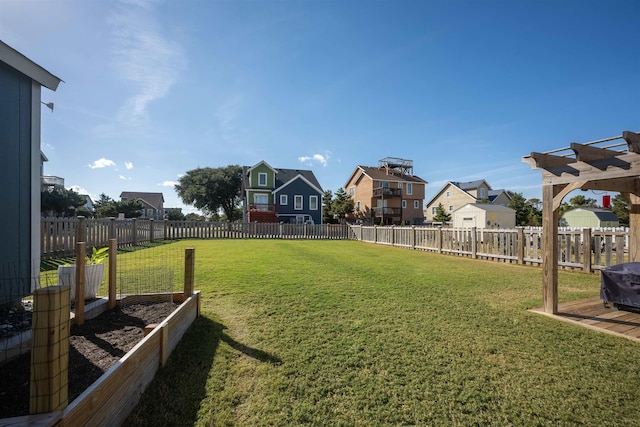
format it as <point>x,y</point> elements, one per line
<point>591,313</point>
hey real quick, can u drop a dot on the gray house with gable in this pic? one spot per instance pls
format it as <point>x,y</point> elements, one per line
<point>21,82</point>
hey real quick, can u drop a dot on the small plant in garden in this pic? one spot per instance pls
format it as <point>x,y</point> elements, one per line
<point>98,255</point>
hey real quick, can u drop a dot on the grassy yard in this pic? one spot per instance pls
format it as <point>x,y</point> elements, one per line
<point>345,333</point>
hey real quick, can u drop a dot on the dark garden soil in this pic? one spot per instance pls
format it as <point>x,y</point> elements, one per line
<point>94,348</point>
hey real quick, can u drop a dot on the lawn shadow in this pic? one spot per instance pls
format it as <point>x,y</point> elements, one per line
<point>180,387</point>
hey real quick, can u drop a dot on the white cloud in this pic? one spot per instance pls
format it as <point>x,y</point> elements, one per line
<point>143,56</point>
<point>168,184</point>
<point>128,165</point>
<point>125,178</point>
<point>323,159</point>
<point>102,163</point>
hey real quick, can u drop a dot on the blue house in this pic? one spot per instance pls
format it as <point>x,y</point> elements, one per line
<point>21,82</point>
<point>280,195</point>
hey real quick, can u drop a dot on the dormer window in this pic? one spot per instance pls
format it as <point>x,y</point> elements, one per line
<point>483,193</point>
<point>262,179</point>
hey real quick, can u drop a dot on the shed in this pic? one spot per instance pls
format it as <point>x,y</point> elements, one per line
<point>21,82</point>
<point>483,215</point>
<point>589,218</point>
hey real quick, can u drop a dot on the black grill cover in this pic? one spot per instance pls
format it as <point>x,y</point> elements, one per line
<point>620,284</point>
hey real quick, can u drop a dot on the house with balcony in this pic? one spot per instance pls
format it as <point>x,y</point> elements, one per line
<point>280,195</point>
<point>454,195</point>
<point>153,203</point>
<point>387,194</point>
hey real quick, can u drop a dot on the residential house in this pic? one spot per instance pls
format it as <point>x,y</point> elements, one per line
<point>483,215</point>
<point>589,218</point>
<point>49,182</point>
<point>387,194</point>
<point>153,203</point>
<point>280,195</point>
<point>21,82</point>
<point>454,195</point>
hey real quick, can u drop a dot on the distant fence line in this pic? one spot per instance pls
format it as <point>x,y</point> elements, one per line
<point>59,235</point>
<point>585,249</point>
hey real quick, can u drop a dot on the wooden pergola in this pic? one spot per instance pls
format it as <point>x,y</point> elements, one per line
<point>610,164</point>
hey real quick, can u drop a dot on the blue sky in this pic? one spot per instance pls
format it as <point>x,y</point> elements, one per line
<point>153,89</point>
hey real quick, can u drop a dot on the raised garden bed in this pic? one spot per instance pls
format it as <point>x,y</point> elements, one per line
<point>115,393</point>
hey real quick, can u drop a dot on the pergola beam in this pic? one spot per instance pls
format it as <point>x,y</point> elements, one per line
<point>633,141</point>
<point>588,153</point>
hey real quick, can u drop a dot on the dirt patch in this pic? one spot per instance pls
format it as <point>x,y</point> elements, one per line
<point>93,348</point>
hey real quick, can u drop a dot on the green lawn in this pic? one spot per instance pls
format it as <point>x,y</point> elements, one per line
<point>344,333</point>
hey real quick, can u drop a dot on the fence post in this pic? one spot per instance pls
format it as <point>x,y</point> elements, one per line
<point>81,261</point>
<point>164,230</point>
<point>375,234</point>
<point>413,237</point>
<point>474,243</point>
<point>81,230</point>
<point>49,385</point>
<point>439,239</point>
<point>392,232</point>
<point>112,228</point>
<point>113,256</point>
<point>586,249</point>
<point>521,245</point>
<point>134,231</point>
<point>189,271</point>
<point>151,230</point>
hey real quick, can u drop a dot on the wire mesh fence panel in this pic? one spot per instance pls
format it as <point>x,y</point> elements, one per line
<point>150,275</point>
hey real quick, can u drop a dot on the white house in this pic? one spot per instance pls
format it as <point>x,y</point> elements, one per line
<point>483,215</point>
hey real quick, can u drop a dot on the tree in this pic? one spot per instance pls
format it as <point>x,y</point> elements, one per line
<point>527,211</point>
<point>175,214</point>
<point>620,207</point>
<point>211,189</point>
<point>130,208</point>
<point>441,215</point>
<point>327,216</point>
<point>61,202</point>
<point>105,207</point>
<point>342,204</point>
<point>580,201</point>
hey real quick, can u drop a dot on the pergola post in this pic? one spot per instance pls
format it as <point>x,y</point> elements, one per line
<point>549,251</point>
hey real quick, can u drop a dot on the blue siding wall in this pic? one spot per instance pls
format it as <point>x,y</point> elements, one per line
<point>299,187</point>
<point>15,176</point>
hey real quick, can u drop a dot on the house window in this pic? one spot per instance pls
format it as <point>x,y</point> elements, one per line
<point>409,188</point>
<point>433,210</point>
<point>404,204</point>
<point>313,203</point>
<point>297,202</point>
<point>384,184</point>
<point>416,204</point>
<point>262,179</point>
<point>450,208</point>
<point>483,193</point>
<point>448,193</point>
<point>283,199</point>
<point>352,191</point>
<point>358,206</point>
<point>149,212</point>
<point>400,185</point>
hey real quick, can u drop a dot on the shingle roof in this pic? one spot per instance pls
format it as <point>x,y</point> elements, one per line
<point>285,175</point>
<point>601,214</point>
<point>382,175</point>
<point>153,199</point>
